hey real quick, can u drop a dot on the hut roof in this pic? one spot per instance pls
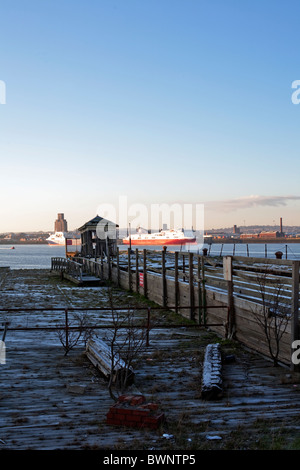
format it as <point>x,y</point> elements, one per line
<point>92,224</point>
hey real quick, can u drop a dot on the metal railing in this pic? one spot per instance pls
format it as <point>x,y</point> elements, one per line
<point>148,325</point>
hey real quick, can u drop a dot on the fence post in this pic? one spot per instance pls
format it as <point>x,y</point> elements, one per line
<point>101,261</point>
<point>295,308</point>
<point>118,267</point>
<point>199,291</point>
<point>137,280</point>
<point>129,268</point>
<point>109,260</point>
<point>191,285</point>
<point>203,292</point>
<point>80,273</point>
<point>227,269</point>
<point>176,282</point>
<point>67,329</point>
<point>163,268</point>
<point>145,272</point>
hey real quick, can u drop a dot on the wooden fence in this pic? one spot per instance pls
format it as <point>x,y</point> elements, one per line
<point>68,267</point>
<point>232,294</point>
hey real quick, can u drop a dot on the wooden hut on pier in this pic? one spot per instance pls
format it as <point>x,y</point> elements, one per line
<point>98,236</point>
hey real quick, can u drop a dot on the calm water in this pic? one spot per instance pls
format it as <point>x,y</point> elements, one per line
<point>29,256</point>
<point>39,256</point>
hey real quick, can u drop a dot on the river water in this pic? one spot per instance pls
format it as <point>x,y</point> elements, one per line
<point>29,256</point>
<point>39,256</point>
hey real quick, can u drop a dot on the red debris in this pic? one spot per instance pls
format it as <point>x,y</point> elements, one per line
<point>131,410</point>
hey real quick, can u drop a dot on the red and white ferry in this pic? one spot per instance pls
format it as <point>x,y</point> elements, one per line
<point>165,237</point>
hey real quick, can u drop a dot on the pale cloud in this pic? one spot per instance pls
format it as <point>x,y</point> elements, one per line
<point>248,202</point>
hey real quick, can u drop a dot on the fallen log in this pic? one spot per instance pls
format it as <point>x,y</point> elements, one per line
<point>212,373</point>
<point>99,353</point>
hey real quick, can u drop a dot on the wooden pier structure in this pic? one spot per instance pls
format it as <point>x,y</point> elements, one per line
<point>74,272</point>
<point>52,401</point>
<point>224,292</point>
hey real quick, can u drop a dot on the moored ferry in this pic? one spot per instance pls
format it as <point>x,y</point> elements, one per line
<point>58,238</point>
<point>165,237</point>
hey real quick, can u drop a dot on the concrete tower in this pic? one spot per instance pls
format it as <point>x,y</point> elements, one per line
<point>60,224</point>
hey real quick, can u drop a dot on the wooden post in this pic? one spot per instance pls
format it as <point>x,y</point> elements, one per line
<point>145,272</point>
<point>129,269</point>
<point>118,267</point>
<point>148,326</point>
<point>89,244</point>
<point>199,291</point>
<point>137,279</point>
<point>176,282</point>
<point>230,333</point>
<point>191,285</point>
<point>295,308</point>
<point>101,261</point>
<point>203,292</point>
<point>163,270</point>
<point>108,254</point>
<point>67,329</point>
<point>227,269</point>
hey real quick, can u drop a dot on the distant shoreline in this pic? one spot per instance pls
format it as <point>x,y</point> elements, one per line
<point>27,242</point>
<point>245,241</point>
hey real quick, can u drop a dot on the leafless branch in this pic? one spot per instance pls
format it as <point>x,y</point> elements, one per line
<point>275,314</point>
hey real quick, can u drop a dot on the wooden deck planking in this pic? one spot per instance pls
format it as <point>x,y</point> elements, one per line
<point>49,401</point>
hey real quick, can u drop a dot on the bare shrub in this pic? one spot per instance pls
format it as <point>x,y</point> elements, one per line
<point>275,313</point>
<point>73,330</point>
<point>126,339</point>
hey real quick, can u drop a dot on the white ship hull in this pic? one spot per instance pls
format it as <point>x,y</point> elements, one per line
<point>58,238</point>
<point>166,237</point>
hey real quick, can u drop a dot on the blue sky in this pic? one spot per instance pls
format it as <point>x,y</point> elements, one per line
<point>160,101</point>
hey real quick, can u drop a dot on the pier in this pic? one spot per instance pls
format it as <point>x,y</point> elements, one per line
<point>50,400</point>
<point>197,287</point>
<point>74,272</point>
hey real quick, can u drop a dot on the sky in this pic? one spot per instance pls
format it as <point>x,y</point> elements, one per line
<point>187,102</point>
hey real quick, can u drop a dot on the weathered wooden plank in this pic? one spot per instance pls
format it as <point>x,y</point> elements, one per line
<point>100,355</point>
<point>261,261</point>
